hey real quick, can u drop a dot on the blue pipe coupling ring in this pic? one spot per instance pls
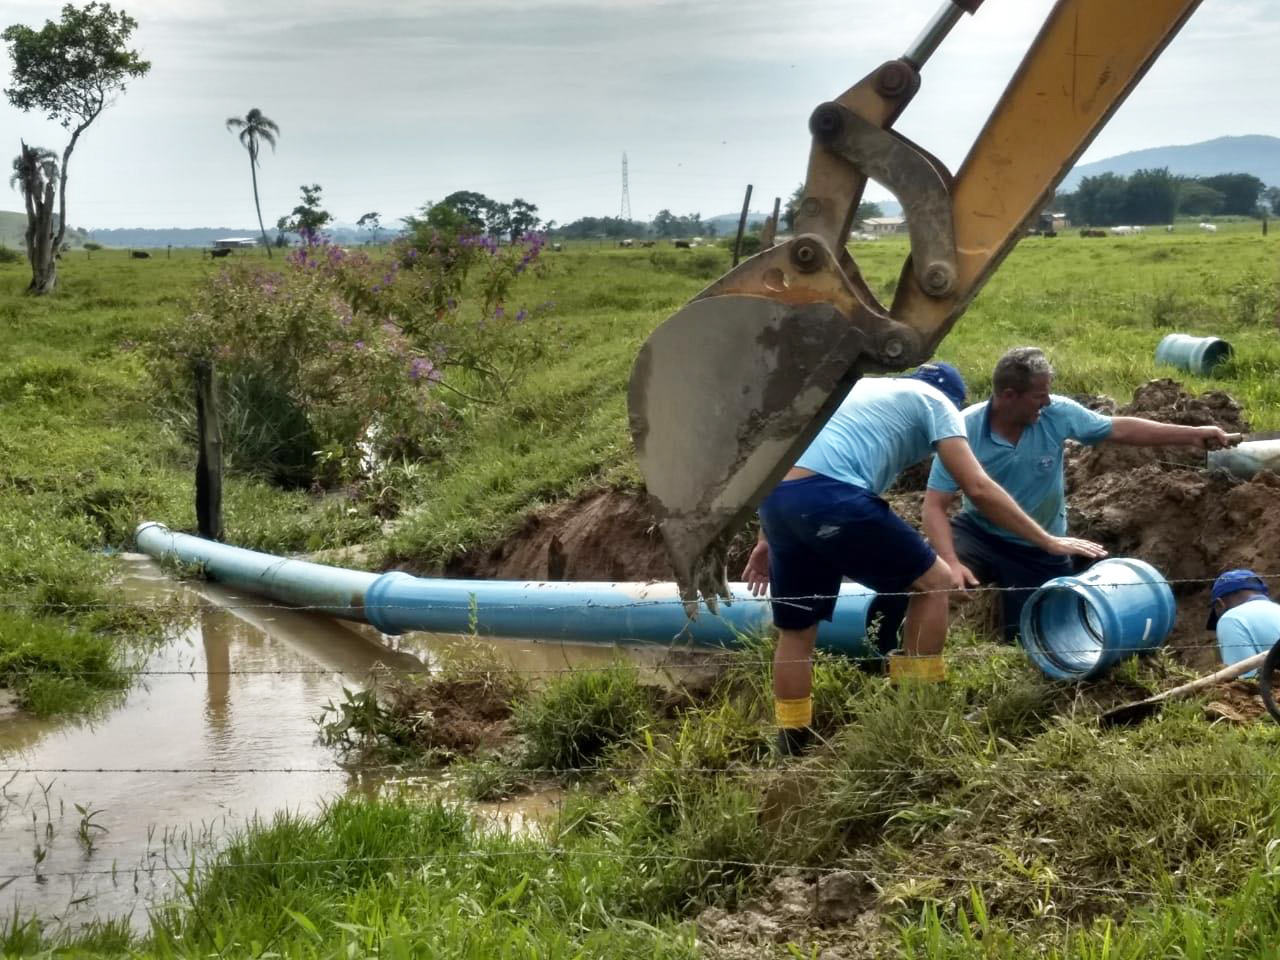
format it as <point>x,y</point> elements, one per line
<point>1079,627</point>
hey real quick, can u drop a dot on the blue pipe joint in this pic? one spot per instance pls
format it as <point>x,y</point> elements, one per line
<point>1078,627</point>
<point>1198,355</point>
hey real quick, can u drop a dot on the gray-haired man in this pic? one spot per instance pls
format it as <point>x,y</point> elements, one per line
<point>1019,436</point>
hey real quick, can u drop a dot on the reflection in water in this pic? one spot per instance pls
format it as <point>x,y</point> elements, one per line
<point>204,741</point>
<point>237,691</point>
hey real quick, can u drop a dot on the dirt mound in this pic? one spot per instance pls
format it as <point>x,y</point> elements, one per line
<point>608,535</point>
<point>1165,401</point>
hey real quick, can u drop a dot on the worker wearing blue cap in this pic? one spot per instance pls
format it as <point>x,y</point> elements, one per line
<point>827,520</point>
<point>1019,437</point>
<point>1241,610</point>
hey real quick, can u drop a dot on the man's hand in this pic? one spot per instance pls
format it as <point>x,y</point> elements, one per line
<point>962,577</point>
<point>1211,438</point>
<point>756,572</point>
<point>1074,546</point>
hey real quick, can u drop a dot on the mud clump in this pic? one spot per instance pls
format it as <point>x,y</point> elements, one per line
<point>831,916</point>
<point>455,716</point>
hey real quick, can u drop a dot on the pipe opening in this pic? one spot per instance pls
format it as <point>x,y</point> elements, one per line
<point>1065,630</point>
<point>1215,353</point>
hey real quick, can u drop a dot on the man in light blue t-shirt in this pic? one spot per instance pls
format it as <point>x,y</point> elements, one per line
<point>827,520</point>
<point>1019,436</point>
<point>1241,610</point>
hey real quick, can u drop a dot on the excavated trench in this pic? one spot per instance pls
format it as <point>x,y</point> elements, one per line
<point>1158,504</point>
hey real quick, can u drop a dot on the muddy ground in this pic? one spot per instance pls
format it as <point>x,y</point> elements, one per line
<point>1157,504</point>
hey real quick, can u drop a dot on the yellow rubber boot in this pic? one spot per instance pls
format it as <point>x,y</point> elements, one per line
<point>795,730</point>
<point>904,668</point>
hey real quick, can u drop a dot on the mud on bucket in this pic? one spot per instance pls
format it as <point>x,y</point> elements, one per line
<point>1079,627</point>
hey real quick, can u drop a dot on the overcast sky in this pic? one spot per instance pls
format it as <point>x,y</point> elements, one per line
<point>389,104</point>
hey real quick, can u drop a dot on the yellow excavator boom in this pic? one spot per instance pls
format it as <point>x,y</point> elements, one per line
<point>726,394</point>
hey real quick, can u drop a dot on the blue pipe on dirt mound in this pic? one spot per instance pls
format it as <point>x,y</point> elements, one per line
<point>582,611</point>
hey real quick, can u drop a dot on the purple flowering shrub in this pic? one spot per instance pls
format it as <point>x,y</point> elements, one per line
<point>342,361</point>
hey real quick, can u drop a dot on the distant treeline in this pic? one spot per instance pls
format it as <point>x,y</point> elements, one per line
<point>1157,196</point>
<point>138,237</point>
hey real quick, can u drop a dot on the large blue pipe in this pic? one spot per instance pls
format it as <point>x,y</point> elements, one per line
<point>548,610</point>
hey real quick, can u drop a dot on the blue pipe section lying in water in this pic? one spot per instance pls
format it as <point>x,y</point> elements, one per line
<point>582,611</point>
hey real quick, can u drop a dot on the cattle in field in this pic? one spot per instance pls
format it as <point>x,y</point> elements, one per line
<point>1092,232</point>
<point>139,254</point>
<point>682,244</point>
<point>1209,227</point>
<point>557,247</point>
<point>1123,231</point>
<point>626,243</point>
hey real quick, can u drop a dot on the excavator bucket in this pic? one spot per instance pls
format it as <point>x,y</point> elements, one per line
<point>724,396</point>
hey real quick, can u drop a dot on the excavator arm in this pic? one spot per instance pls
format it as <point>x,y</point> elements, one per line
<point>726,394</point>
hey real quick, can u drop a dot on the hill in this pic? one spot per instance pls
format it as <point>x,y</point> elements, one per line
<point>13,227</point>
<point>1255,154</point>
<point>726,224</point>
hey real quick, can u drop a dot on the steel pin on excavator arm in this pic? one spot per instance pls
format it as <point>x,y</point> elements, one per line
<point>726,394</point>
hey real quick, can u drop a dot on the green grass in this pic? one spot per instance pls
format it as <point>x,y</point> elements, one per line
<point>84,458</point>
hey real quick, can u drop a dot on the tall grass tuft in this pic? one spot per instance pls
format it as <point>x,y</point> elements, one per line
<point>581,715</point>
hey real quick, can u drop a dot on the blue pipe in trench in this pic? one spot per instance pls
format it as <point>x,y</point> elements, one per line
<point>580,611</point>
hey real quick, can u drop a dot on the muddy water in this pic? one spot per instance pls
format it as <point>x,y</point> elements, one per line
<point>107,811</point>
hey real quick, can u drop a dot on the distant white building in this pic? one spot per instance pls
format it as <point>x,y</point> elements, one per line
<point>235,243</point>
<point>881,225</point>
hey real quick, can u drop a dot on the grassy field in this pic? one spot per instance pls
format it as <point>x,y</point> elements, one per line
<point>981,820</point>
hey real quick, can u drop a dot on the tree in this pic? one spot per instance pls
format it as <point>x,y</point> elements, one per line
<point>308,217</point>
<point>1272,196</point>
<point>868,209</point>
<point>372,222</point>
<point>792,207</point>
<point>524,218</point>
<point>666,223</point>
<point>473,206</point>
<point>1100,200</point>
<point>1197,200</point>
<point>497,217</point>
<point>1240,192</point>
<point>70,71</point>
<point>35,174</point>
<point>1151,196</point>
<point>255,127</point>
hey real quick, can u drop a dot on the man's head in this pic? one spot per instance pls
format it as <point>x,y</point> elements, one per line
<point>1232,589</point>
<point>1020,384</point>
<point>945,377</point>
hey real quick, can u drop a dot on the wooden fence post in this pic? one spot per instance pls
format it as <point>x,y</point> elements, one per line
<point>742,224</point>
<point>209,454</point>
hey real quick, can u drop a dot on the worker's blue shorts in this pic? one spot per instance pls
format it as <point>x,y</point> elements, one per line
<point>821,530</point>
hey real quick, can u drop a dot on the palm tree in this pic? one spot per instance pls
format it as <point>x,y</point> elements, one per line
<point>255,127</point>
<point>35,175</point>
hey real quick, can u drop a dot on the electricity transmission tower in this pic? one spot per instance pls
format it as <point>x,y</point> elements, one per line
<point>625,212</point>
